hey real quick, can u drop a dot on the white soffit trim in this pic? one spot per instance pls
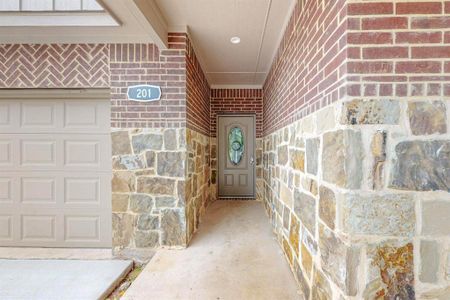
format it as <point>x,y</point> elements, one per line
<point>82,19</point>
<point>280,37</point>
<point>150,18</point>
<point>198,54</point>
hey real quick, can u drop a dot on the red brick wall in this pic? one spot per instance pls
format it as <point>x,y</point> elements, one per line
<point>103,66</point>
<point>309,67</point>
<point>237,101</point>
<point>399,48</point>
<point>133,64</point>
<point>54,65</point>
<point>197,93</point>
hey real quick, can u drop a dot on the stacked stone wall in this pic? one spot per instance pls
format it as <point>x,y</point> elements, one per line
<point>198,192</point>
<point>359,210</point>
<point>357,189</point>
<point>148,186</point>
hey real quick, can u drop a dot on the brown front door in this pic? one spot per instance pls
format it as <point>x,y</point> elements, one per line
<point>236,153</point>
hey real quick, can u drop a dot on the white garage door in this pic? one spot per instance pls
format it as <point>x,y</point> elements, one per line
<point>55,169</point>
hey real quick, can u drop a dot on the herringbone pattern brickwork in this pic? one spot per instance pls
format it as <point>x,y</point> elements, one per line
<point>54,66</point>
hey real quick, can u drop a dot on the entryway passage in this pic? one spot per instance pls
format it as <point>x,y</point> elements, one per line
<point>233,256</point>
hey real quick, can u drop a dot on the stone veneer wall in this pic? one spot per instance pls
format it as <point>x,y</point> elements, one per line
<point>149,147</point>
<point>198,192</point>
<point>357,181</point>
<point>363,210</point>
<point>198,179</point>
<point>148,187</point>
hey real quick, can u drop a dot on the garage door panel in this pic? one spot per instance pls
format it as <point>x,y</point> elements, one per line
<point>5,190</point>
<point>38,115</point>
<point>55,173</point>
<point>38,190</point>
<point>38,153</point>
<point>5,228</point>
<point>56,189</point>
<point>6,159</point>
<point>68,152</point>
<point>60,116</point>
<point>81,228</point>
<point>82,153</point>
<point>38,227</point>
<point>9,189</point>
<point>86,115</point>
<point>8,111</point>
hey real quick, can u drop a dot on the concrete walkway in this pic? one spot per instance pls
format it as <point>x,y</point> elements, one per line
<point>233,256</point>
<point>60,279</point>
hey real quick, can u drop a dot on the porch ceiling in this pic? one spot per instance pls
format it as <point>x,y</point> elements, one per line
<point>211,24</point>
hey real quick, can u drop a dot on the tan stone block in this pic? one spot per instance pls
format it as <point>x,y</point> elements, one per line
<point>120,202</point>
<point>173,226</point>
<point>294,232</point>
<point>325,119</point>
<point>436,218</point>
<point>388,215</point>
<point>321,287</point>
<point>310,185</point>
<point>287,250</point>
<point>156,185</point>
<point>297,158</point>
<point>123,225</point>
<point>327,206</point>
<point>429,261</point>
<point>342,158</point>
<point>282,155</point>
<point>286,195</point>
<point>307,125</point>
<point>305,209</point>
<point>339,260</point>
<point>312,155</point>
<point>307,262</point>
<point>170,139</point>
<point>120,143</point>
<point>427,117</point>
<point>123,182</point>
<point>370,112</point>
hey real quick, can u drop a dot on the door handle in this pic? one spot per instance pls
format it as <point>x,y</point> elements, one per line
<point>252,160</point>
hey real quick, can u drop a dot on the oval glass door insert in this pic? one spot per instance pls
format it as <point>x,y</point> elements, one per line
<point>235,145</point>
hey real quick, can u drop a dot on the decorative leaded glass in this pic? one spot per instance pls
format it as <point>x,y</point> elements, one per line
<point>235,145</point>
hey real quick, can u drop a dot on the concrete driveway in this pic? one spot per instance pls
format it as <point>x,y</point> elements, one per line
<point>60,279</point>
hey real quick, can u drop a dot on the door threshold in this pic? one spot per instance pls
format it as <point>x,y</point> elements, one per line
<point>238,198</point>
